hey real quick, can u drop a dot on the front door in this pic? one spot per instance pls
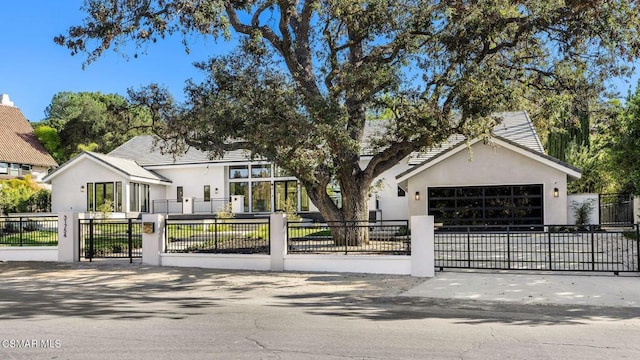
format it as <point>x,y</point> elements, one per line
<point>286,192</point>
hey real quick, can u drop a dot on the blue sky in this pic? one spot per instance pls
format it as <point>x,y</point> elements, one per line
<point>33,69</point>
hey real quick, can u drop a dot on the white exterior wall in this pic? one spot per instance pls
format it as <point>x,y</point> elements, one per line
<point>577,199</point>
<point>38,172</point>
<point>66,194</point>
<point>489,165</point>
<point>29,253</point>
<point>390,205</point>
<point>193,179</point>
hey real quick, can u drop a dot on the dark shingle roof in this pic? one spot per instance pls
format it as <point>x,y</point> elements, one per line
<point>126,166</point>
<point>141,149</point>
<point>514,126</point>
<point>18,144</point>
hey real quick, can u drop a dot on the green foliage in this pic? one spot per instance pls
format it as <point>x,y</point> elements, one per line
<point>50,139</point>
<point>23,195</point>
<point>307,74</point>
<point>225,213</point>
<point>290,209</point>
<point>582,211</point>
<point>105,209</point>
<point>625,146</point>
<point>90,121</point>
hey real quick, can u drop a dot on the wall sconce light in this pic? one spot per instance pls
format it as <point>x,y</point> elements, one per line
<point>81,188</point>
<point>215,191</point>
<point>417,195</point>
<point>556,192</point>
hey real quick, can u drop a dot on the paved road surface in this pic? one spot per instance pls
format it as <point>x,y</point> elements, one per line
<point>106,311</point>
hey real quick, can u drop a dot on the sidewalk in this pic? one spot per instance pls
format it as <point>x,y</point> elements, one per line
<point>533,288</point>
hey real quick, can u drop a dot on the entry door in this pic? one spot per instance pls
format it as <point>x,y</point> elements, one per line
<point>286,191</point>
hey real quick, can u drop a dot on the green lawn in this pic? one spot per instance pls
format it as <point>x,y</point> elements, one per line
<point>29,238</point>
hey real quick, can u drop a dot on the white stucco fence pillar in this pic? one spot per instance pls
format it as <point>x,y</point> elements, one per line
<point>422,246</point>
<point>68,237</point>
<point>278,241</point>
<point>152,238</point>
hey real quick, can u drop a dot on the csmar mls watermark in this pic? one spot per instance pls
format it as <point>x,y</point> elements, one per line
<point>30,344</point>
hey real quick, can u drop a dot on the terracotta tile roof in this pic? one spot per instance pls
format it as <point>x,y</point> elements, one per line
<point>18,144</point>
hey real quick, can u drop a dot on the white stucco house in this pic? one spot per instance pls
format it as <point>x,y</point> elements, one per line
<point>508,181</point>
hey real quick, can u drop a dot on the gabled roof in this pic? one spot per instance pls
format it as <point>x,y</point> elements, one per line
<point>18,144</point>
<point>125,167</point>
<point>514,126</point>
<point>141,149</point>
<point>499,141</point>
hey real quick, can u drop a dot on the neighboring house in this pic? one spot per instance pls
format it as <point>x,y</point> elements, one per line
<point>21,153</point>
<point>510,180</point>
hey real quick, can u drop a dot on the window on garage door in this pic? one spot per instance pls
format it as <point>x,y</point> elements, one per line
<point>487,205</point>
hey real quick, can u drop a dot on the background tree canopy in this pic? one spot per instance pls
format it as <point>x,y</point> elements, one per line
<point>307,75</point>
<point>89,121</point>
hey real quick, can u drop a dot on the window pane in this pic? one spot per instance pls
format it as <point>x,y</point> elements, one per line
<point>280,172</point>
<point>14,169</point>
<point>4,168</point>
<point>144,198</point>
<point>238,172</point>
<point>90,199</point>
<point>304,199</point>
<point>261,196</point>
<point>133,196</point>
<point>207,193</point>
<point>118,197</point>
<point>99,195</point>
<point>179,193</point>
<point>240,188</point>
<point>260,171</point>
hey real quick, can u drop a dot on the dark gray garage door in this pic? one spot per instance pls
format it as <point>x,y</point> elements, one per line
<point>487,205</point>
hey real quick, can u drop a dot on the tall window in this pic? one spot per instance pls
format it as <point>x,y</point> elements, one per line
<point>266,188</point>
<point>240,188</point>
<point>261,196</point>
<point>139,197</point>
<point>90,197</point>
<point>179,193</point>
<point>99,193</point>
<point>207,193</point>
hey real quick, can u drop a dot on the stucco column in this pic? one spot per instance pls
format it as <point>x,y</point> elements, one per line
<point>68,237</point>
<point>278,241</point>
<point>422,246</point>
<point>152,239</point>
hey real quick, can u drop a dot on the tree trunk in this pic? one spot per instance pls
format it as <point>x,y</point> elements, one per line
<point>354,229</point>
<point>350,224</point>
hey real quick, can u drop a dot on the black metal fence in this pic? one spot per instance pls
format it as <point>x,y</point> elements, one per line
<point>389,237</point>
<point>219,236</point>
<point>551,248</point>
<point>29,231</point>
<point>616,209</point>
<point>110,238</point>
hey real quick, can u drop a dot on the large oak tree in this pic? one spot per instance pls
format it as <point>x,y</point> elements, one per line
<point>307,75</point>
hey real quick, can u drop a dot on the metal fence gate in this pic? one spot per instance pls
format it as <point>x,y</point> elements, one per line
<point>546,248</point>
<point>110,238</point>
<point>616,209</point>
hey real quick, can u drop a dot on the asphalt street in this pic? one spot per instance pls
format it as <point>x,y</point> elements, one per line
<point>122,311</point>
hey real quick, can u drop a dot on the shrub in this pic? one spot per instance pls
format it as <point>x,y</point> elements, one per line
<point>582,211</point>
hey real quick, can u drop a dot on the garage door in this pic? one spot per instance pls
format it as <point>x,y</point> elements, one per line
<point>487,205</point>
